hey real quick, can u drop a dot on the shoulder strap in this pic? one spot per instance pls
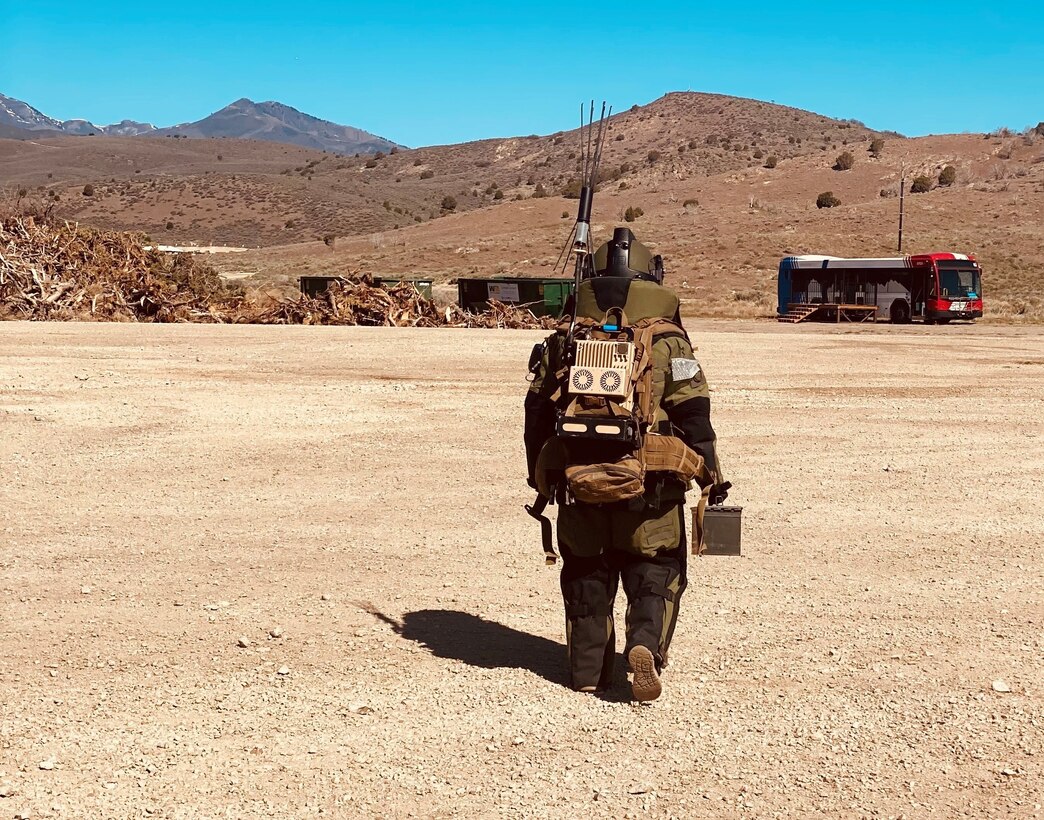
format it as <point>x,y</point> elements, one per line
<point>646,332</point>
<point>661,327</point>
<point>536,510</point>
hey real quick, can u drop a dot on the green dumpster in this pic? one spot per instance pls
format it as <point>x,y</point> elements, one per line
<point>544,297</point>
<point>315,286</point>
<point>423,286</point>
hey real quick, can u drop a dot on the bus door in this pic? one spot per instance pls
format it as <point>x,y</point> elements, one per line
<point>921,290</point>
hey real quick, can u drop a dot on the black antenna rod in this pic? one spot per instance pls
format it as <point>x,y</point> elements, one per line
<point>599,144</point>
<point>583,155</point>
<point>590,135</point>
<point>582,228</point>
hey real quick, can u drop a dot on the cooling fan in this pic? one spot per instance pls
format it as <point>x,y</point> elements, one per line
<point>580,379</point>
<point>602,369</point>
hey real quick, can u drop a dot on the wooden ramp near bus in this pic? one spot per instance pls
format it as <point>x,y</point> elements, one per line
<point>830,312</point>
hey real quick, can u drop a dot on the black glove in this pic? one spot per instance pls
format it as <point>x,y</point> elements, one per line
<point>718,494</point>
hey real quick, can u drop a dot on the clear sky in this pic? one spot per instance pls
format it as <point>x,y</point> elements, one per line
<point>432,73</point>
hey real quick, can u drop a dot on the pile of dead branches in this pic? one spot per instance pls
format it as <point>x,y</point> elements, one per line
<point>54,270</point>
<point>501,315</point>
<point>51,269</point>
<point>357,301</point>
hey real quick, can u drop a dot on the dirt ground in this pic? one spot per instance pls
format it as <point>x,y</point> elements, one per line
<point>285,571</point>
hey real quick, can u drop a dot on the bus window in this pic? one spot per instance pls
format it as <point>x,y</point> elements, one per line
<point>959,282</point>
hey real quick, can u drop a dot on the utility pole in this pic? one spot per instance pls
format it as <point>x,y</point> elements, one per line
<point>902,202</point>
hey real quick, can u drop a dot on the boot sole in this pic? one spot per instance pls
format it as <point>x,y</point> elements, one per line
<point>645,684</point>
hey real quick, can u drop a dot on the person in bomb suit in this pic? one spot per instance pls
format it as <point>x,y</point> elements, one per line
<point>640,543</point>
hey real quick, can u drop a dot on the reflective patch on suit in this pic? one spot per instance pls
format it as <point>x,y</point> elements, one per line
<point>684,369</point>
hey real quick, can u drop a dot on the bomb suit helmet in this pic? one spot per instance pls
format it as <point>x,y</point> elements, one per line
<point>625,256</point>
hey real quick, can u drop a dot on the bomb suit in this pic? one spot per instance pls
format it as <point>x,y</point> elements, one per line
<point>640,542</point>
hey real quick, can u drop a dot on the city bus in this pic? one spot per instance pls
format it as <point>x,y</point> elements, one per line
<point>932,287</point>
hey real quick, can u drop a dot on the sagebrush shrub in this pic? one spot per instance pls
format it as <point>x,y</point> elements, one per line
<point>921,185</point>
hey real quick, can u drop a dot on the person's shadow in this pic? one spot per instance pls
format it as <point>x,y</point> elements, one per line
<point>473,640</point>
<point>461,636</point>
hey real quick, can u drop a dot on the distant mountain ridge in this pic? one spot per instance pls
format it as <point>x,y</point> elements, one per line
<point>244,119</point>
<point>276,122</point>
<point>21,115</point>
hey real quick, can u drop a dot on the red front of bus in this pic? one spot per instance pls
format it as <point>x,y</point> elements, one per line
<point>957,291</point>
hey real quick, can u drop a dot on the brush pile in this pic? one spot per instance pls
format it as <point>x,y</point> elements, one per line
<point>59,270</point>
<point>357,301</point>
<point>503,316</point>
<point>55,270</point>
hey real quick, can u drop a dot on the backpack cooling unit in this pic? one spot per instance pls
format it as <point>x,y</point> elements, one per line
<point>602,369</point>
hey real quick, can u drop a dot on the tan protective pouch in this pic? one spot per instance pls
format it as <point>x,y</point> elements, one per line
<point>606,483</point>
<point>669,454</point>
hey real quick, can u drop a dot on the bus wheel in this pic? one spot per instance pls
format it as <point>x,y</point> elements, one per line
<point>899,312</point>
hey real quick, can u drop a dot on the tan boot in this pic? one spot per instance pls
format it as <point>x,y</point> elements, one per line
<point>645,682</point>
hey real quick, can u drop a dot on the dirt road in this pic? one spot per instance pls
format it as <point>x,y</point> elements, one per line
<point>285,572</point>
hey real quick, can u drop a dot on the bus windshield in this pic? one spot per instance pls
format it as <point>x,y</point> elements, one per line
<point>959,282</point>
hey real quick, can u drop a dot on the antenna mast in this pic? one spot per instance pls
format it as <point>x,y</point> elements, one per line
<point>590,156</point>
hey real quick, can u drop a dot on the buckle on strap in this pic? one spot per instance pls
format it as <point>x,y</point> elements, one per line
<point>536,510</point>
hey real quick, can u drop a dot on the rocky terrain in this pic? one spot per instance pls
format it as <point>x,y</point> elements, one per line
<point>286,572</point>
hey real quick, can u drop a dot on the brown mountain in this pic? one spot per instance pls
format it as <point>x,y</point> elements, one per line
<point>275,122</point>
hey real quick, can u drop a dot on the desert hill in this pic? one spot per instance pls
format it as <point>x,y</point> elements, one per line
<point>203,191</point>
<point>722,235</point>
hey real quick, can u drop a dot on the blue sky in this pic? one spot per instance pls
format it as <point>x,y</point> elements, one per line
<point>425,73</point>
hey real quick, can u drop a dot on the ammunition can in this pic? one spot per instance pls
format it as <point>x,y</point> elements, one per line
<point>722,527</point>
